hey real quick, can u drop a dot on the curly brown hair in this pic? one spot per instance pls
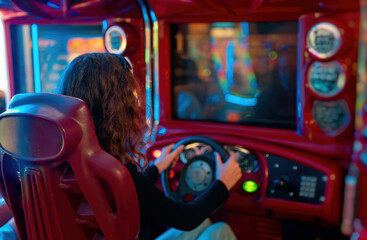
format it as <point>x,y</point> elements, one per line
<point>106,83</point>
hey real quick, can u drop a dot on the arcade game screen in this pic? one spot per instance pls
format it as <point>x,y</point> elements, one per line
<point>43,51</point>
<point>243,73</point>
<point>59,45</point>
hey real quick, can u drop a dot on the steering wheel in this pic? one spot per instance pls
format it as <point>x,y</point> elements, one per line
<point>195,169</point>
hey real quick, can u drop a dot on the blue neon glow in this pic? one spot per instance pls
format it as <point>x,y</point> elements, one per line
<point>155,69</point>
<point>355,236</point>
<point>53,5</point>
<point>104,25</point>
<point>240,100</point>
<point>245,29</point>
<point>230,63</point>
<point>3,62</point>
<point>350,180</point>
<point>162,131</point>
<point>300,117</point>
<point>36,59</point>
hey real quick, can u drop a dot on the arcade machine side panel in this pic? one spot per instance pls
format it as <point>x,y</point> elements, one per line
<point>328,77</point>
<point>354,221</point>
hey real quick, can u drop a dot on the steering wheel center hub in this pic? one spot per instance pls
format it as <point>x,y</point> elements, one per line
<point>198,175</point>
<point>197,172</point>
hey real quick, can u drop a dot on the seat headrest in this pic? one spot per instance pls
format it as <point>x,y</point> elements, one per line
<point>48,123</point>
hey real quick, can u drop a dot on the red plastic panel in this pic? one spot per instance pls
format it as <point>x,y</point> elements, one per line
<point>237,10</point>
<point>78,9</point>
<point>347,56</point>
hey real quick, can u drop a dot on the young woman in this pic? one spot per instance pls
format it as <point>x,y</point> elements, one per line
<point>107,84</point>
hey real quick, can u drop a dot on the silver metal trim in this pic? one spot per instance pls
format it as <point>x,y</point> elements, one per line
<point>156,108</point>
<point>148,68</point>
<point>151,84</point>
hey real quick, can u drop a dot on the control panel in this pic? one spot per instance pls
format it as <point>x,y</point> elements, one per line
<point>294,182</point>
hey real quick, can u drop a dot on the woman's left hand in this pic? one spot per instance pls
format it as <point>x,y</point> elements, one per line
<point>168,158</point>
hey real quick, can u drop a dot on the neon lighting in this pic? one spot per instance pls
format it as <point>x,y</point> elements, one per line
<point>171,174</point>
<point>245,27</point>
<point>157,153</point>
<point>4,78</point>
<point>104,25</point>
<point>162,131</point>
<point>77,46</point>
<point>350,180</point>
<point>245,57</point>
<point>233,117</point>
<point>240,100</point>
<point>156,67</point>
<point>148,69</point>
<point>273,55</point>
<point>363,157</point>
<point>36,59</point>
<point>250,186</point>
<point>226,70</point>
<point>219,66</point>
<point>53,5</point>
<point>230,63</point>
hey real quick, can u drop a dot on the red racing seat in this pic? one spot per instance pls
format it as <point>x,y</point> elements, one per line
<point>55,177</point>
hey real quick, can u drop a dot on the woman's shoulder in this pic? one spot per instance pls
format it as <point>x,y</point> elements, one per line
<point>133,169</point>
<point>131,166</point>
<point>150,173</point>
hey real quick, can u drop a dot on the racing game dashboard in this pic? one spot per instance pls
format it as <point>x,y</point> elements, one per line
<point>288,180</point>
<point>269,181</point>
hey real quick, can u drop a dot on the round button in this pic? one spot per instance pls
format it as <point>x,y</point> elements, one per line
<point>115,40</point>
<point>280,183</point>
<point>326,79</point>
<point>324,40</point>
<point>331,116</point>
<point>250,186</point>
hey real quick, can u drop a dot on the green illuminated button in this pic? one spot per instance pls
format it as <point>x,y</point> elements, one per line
<point>250,186</point>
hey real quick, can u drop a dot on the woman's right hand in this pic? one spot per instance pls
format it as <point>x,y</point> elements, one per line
<point>229,172</point>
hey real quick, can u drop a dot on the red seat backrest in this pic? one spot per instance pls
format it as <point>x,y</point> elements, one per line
<point>57,180</point>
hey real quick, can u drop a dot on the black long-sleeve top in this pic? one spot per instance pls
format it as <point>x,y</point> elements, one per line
<point>156,208</point>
